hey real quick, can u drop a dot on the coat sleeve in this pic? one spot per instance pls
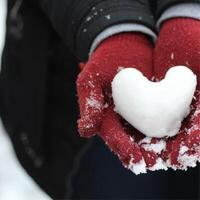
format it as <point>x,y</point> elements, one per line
<point>78,22</point>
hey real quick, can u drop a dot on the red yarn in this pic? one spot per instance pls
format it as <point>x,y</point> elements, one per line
<point>94,82</point>
<point>94,91</point>
<point>179,44</point>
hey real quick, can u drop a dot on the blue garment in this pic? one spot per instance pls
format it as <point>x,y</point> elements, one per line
<point>101,175</point>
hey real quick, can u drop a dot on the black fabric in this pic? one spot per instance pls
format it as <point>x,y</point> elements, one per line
<point>38,103</point>
<point>110,180</point>
<point>162,5</point>
<point>108,13</point>
<point>76,20</point>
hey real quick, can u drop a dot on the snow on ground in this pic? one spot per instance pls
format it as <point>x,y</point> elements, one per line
<point>15,184</point>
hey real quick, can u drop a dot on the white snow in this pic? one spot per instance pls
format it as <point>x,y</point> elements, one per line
<point>108,17</point>
<point>184,160</point>
<point>187,161</point>
<point>140,18</point>
<point>183,149</point>
<point>172,56</point>
<point>137,168</point>
<point>119,69</point>
<point>146,140</point>
<point>141,168</point>
<point>15,184</point>
<point>93,103</point>
<point>154,108</point>
<point>157,147</point>
<point>88,18</point>
<point>160,165</point>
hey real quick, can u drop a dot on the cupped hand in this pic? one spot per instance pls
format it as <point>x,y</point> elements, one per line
<point>95,98</point>
<point>179,44</point>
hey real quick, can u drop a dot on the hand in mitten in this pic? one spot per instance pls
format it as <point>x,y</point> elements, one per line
<point>95,98</point>
<point>179,44</point>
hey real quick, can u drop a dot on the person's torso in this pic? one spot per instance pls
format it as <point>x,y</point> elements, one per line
<point>38,94</point>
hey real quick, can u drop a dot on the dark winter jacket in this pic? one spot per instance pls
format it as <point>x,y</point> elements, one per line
<point>45,40</point>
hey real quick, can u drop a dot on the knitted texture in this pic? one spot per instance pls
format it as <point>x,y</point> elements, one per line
<point>179,44</point>
<point>94,91</point>
<point>94,82</point>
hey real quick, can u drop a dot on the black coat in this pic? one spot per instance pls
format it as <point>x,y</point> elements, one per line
<point>45,40</point>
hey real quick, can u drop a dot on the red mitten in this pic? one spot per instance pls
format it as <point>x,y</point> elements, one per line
<point>94,92</point>
<point>179,44</point>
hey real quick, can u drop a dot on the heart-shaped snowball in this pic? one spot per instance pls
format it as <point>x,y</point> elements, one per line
<point>154,108</point>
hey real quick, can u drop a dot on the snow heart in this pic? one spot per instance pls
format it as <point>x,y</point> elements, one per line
<point>154,108</point>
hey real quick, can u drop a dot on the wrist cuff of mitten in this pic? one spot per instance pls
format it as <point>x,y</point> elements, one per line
<point>121,28</point>
<point>181,25</point>
<point>163,5</point>
<point>189,10</point>
<point>121,42</point>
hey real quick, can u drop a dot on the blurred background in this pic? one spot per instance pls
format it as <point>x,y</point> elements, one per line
<point>15,184</point>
